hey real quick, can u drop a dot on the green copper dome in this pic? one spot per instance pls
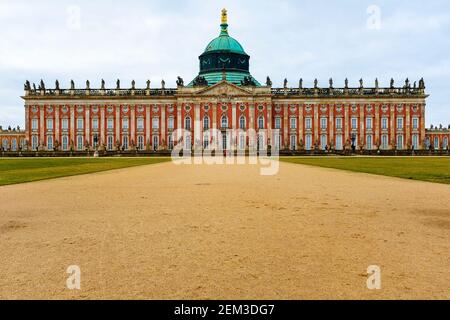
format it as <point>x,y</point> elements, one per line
<point>225,43</point>
<point>224,59</point>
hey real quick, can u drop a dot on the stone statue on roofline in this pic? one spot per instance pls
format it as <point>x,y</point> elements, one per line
<point>72,85</point>
<point>27,85</point>
<point>103,85</point>
<point>392,83</point>
<point>361,83</point>
<point>300,84</point>
<point>285,83</point>
<point>57,84</point>
<point>88,85</point>
<point>331,83</point>
<point>163,84</point>
<point>377,85</point>
<point>34,86</point>
<point>346,83</point>
<point>180,82</point>
<point>42,85</point>
<point>133,85</point>
<point>268,82</point>
<point>118,84</point>
<point>148,84</point>
<point>407,83</point>
<point>316,83</point>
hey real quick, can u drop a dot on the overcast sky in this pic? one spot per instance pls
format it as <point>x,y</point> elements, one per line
<point>142,40</point>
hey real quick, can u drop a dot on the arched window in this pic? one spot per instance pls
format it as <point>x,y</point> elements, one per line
<point>205,141</point>
<point>14,145</point>
<point>242,139</point>
<point>65,143</point>
<point>187,123</point>
<point>415,141</point>
<point>293,142</point>
<point>261,122</point>
<point>445,143</point>
<point>323,141</point>
<point>436,143</point>
<point>80,142</point>
<point>224,122</point>
<point>188,144</point>
<point>110,143</point>
<point>34,142</point>
<point>400,142</point>
<point>140,142</point>
<point>369,142</point>
<point>49,143</point>
<point>242,123</point>
<point>384,142</point>
<point>5,144</point>
<point>308,142</point>
<point>206,123</point>
<point>155,143</point>
<point>125,142</point>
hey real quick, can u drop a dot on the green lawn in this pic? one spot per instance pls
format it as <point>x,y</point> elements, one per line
<point>421,168</point>
<point>14,171</point>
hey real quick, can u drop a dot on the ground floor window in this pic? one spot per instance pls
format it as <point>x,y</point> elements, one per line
<point>125,143</point>
<point>261,145</point>
<point>65,143</point>
<point>445,143</point>
<point>140,143</point>
<point>80,142</point>
<point>323,142</point>
<point>308,142</point>
<point>49,143</point>
<point>5,144</point>
<point>415,141</point>
<point>14,145</point>
<point>384,141</point>
<point>187,143</point>
<point>339,142</point>
<point>110,143</point>
<point>293,142</point>
<point>400,142</point>
<point>95,140</point>
<point>205,141</point>
<point>224,141</point>
<point>369,144</point>
<point>34,142</point>
<point>436,143</point>
<point>278,141</point>
<point>242,139</point>
<point>170,144</point>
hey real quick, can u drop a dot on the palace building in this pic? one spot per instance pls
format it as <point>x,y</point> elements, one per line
<point>224,98</point>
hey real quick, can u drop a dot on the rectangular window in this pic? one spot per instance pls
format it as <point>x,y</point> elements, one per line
<point>65,124</point>
<point>339,123</point>
<point>125,123</point>
<point>277,123</point>
<point>339,142</point>
<point>155,123</point>
<point>80,123</point>
<point>95,124</point>
<point>323,123</point>
<point>415,123</point>
<point>384,123</point>
<point>34,124</point>
<point>293,142</point>
<point>171,123</point>
<point>49,124</point>
<point>80,142</point>
<point>399,123</point>
<point>369,123</point>
<point>354,123</point>
<point>308,123</point>
<point>110,123</point>
<point>125,142</point>
<point>140,123</point>
<point>293,123</point>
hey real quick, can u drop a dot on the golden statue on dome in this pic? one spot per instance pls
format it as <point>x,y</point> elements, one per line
<point>224,16</point>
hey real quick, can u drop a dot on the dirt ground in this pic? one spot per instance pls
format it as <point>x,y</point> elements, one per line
<point>225,232</point>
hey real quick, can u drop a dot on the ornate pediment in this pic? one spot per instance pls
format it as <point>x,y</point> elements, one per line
<point>225,88</point>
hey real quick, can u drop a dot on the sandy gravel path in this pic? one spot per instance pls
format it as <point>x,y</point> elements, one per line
<point>225,232</point>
